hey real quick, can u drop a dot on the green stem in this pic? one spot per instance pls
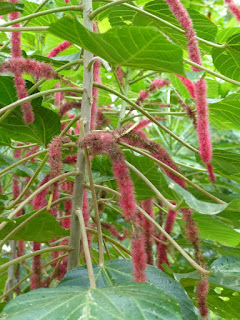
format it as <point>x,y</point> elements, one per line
<point>47,184</point>
<point>101,86</point>
<point>25,222</point>
<point>142,77</point>
<point>33,254</point>
<point>156,114</point>
<point>178,174</point>
<point>212,44</point>
<point>8,109</point>
<point>42,13</point>
<point>65,66</point>
<point>105,7</point>
<point>21,161</point>
<point>157,226</point>
<point>14,29</point>
<point>124,103</point>
<point>217,75</point>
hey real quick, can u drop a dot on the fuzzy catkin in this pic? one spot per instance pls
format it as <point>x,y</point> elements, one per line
<point>61,47</point>
<point>200,87</point>
<point>233,9</point>
<point>148,228</point>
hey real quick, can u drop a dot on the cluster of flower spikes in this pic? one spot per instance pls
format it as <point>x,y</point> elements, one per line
<point>233,8</point>
<point>139,139</point>
<point>105,143</point>
<point>18,65</point>
<point>154,85</point>
<point>203,130</point>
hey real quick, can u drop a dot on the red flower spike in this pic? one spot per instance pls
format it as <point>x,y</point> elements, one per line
<point>114,231</point>
<point>148,228</point>
<point>61,47</point>
<point>139,257</point>
<point>36,277</point>
<point>200,87</point>
<point>120,76</point>
<point>68,106</point>
<point>188,84</point>
<point>233,9</point>
<point>201,293</point>
<point>143,95</point>
<point>211,172</point>
<point>157,84</point>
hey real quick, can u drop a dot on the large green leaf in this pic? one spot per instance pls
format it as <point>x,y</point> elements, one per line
<point>8,91</point>
<point>45,126</point>
<point>198,205</point>
<point>136,47</point>
<point>128,301</point>
<point>6,7</point>
<point>227,164</point>
<point>20,170</point>
<point>211,228</point>
<point>225,114</point>
<point>116,272</point>
<point>227,59</point>
<point>40,229</point>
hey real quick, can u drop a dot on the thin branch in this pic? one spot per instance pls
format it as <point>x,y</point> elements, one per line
<point>32,254</point>
<point>151,186</point>
<point>159,228</point>
<point>47,184</point>
<point>14,29</point>
<point>105,7</point>
<point>42,13</point>
<point>25,222</point>
<point>144,112</point>
<point>95,204</point>
<point>178,174</point>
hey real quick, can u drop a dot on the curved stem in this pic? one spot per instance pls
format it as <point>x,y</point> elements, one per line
<point>13,105</point>
<point>14,29</point>
<point>42,13</point>
<point>32,254</point>
<point>101,86</point>
<point>2,172</point>
<point>151,186</point>
<point>158,227</point>
<point>178,174</point>
<point>25,222</point>
<point>105,7</point>
<point>24,191</point>
<point>146,13</point>
<point>47,184</point>
<point>217,75</point>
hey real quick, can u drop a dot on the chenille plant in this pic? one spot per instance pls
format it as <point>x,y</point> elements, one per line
<point>119,160</point>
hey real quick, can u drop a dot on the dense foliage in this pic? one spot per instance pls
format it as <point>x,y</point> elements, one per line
<point>119,164</point>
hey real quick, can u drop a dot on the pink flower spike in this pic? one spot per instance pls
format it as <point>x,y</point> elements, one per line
<point>158,83</point>
<point>139,257</point>
<point>233,9</point>
<point>188,84</point>
<point>143,95</point>
<point>211,172</point>
<point>120,76</point>
<point>201,293</point>
<point>61,47</point>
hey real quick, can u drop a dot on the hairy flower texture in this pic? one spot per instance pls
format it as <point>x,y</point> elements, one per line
<point>31,151</point>
<point>161,248</point>
<point>40,199</point>
<point>140,140</point>
<point>58,96</point>
<point>211,172</point>
<point>61,47</point>
<point>143,95</point>
<point>30,66</point>
<point>139,257</point>
<point>188,84</point>
<point>148,228</point>
<point>201,293</point>
<point>157,84</point>
<point>111,228</point>
<point>101,120</point>
<point>16,36</point>
<point>200,86</point>
<point>69,105</point>
<point>70,159</point>
<point>55,157</point>
<point>190,112</point>
<point>36,267</point>
<point>120,75</point>
<point>233,9</point>
<point>105,143</point>
<point>28,115</point>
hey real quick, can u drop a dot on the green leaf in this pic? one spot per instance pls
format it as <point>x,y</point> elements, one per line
<point>225,272</point>
<point>45,126</point>
<point>136,47</point>
<point>6,7</point>
<point>148,168</point>
<point>211,228</point>
<point>198,205</point>
<point>128,301</point>
<point>43,228</point>
<point>44,20</point>
<point>227,164</point>
<point>226,33</point>
<point>116,272</point>
<point>227,59</point>
<point>20,170</point>
<point>7,86</point>
<point>225,114</point>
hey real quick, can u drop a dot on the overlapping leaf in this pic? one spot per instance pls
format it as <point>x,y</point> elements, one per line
<point>136,47</point>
